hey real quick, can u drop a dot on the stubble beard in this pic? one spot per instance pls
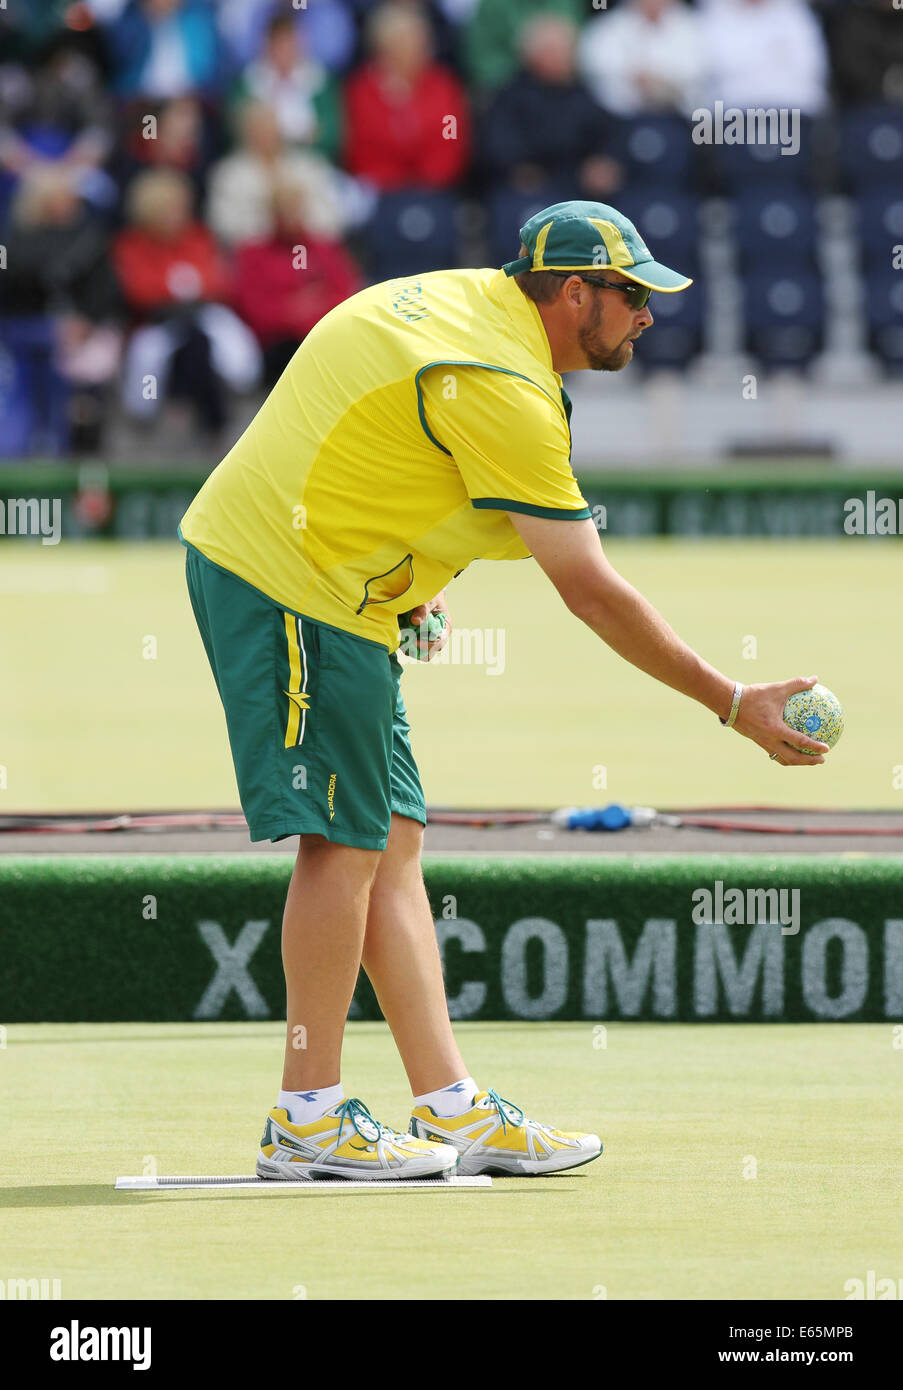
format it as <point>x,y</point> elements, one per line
<point>600,360</point>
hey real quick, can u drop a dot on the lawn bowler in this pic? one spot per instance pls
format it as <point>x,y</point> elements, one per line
<point>421,425</point>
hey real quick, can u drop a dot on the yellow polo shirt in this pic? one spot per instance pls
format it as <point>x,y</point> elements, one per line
<point>408,422</point>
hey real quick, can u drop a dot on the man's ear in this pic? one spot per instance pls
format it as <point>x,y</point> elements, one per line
<point>576,291</point>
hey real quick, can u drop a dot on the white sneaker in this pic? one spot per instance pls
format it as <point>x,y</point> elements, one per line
<point>496,1137</point>
<point>347,1142</point>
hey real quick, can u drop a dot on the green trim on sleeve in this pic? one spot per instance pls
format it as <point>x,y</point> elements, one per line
<point>488,366</point>
<point>504,504</point>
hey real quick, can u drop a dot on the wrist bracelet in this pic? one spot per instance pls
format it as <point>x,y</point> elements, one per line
<point>735,707</point>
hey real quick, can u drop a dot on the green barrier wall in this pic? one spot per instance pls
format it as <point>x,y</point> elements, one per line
<point>157,938</point>
<point>739,499</point>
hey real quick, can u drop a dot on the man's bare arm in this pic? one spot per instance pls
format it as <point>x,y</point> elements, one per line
<point>571,554</point>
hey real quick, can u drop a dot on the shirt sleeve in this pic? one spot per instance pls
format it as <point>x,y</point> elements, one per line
<point>509,440</point>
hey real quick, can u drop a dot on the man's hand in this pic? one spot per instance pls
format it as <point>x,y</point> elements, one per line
<point>761,718</point>
<point>571,554</point>
<point>426,650</point>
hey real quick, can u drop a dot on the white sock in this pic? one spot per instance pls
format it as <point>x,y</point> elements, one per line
<point>304,1106</point>
<point>451,1100</point>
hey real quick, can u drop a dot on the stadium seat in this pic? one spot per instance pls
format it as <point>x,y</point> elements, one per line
<point>784,316</point>
<point>410,233</point>
<point>656,151</point>
<point>669,222</point>
<point>33,395</point>
<point>880,223</point>
<point>775,228</point>
<point>871,148</point>
<point>676,336</point>
<point>7,192</point>
<point>508,211</point>
<point>883,291</point>
<point>765,163</point>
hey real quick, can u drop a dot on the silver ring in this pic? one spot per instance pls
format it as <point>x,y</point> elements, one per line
<point>772,756</point>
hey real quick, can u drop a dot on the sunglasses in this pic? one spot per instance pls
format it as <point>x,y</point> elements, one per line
<point>637,296</point>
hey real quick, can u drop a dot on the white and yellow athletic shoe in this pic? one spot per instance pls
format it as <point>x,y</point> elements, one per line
<point>496,1137</point>
<point>347,1142</point>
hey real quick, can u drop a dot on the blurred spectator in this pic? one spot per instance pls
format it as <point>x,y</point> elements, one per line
<point>58,112</point>
<point>866,44</point>
<point>105,11</point>
<point>178,139</point>
<point>765,53</point>
<point>166,48</point>
<point>458,11</point>
<point>492,35</point>
<point>26,29</point>
<point>187,344</point>
<point>444,18</point>
<point>645,57</point>
<point>543,128</point>
<point>240,202</point>
<point>58,270</point>
<point>300,91</point>
<point>326,29</point>
<point>407,119</point>
<point>285,283</point>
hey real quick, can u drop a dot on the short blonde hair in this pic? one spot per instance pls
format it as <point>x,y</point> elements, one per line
<point>38,186</point>
<point>147,190</point>
<point>390,19</point>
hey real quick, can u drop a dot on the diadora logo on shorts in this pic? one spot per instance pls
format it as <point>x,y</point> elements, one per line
<point>330,796</point>
<point>77,1343</point>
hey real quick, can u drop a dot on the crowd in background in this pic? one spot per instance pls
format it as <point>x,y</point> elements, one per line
<point>187,186</point>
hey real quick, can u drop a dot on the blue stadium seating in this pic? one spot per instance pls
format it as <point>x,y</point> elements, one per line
<point>669,222</point>
<point>765,163</point>
<point>33,395</point>
<point>784,315</point>
<point>411,232</point>
<point>656,151</point>
<point>676,336</point>
<point>871,148</point>
<point>775,228</point>
<point>508,211</point>
<point>883,290</point>
<point>880,224</point>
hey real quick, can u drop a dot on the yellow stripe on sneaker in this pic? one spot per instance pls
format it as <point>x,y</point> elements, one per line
<point>514,1139</point>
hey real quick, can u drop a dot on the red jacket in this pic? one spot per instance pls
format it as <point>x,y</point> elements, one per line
<point>154,272</point>
<point>397,144</point>
<point>279,301</point>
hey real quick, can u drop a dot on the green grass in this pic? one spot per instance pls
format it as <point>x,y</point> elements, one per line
<point>89,723</point>
<point>665,1213</point>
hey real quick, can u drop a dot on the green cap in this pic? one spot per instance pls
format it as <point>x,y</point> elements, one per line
<point>582,236</point>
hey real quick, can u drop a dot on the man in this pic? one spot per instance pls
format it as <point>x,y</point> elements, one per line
<point>543,129</point>
<point>421,425</point>
<point>646,56</point>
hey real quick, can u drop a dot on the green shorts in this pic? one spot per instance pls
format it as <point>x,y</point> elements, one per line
<point>316,722</point>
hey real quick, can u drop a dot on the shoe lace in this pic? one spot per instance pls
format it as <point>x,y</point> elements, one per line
<point>504,1108</point>
<point>358,1113</point>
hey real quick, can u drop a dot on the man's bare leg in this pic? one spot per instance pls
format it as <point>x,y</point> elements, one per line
<point>401,957</point>
<point>322,937</point>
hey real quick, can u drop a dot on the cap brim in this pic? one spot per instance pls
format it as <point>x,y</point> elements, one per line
<point>655,276</point>
<point>517,267</point>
